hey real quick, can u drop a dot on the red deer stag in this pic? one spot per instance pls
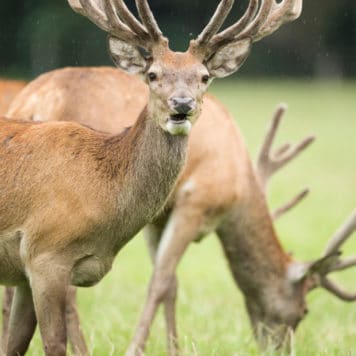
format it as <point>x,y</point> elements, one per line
<point>71,197</point>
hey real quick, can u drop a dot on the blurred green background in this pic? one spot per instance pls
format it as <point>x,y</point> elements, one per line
<point>39,35</point>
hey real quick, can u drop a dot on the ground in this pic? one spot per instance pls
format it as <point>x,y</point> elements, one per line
<point>211,315</point>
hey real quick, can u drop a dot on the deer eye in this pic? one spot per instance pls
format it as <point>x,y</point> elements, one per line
<point>152,76</point>
<point>205,78</point>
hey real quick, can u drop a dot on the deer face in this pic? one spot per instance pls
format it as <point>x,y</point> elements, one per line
<point>276,313</point>
<point>177,81</point>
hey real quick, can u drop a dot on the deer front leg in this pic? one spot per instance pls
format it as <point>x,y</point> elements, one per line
<point>182,228</point>
<point>6,308</point>
<point>74,332</point>
<point>49,290</point>
<point>22,321</point>
<point>153,235</point>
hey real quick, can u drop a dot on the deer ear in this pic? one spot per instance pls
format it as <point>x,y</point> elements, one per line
<point>127,57</point>
<point>228,59</point>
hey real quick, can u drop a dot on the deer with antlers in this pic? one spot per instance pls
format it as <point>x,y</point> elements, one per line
<point>48,218</point>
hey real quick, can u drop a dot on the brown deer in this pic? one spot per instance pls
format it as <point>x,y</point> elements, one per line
<point>273,302</point>
<point>8,90</point>
<point>72,197</point>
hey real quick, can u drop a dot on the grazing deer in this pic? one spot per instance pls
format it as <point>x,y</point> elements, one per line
<point>71,197</point>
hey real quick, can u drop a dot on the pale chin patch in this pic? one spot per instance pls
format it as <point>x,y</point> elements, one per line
<point>179,129</point>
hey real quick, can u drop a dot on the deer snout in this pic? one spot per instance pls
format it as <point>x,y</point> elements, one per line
<point>182,105</point>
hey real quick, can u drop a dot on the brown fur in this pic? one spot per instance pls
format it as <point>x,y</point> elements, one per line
<point>8,90</point>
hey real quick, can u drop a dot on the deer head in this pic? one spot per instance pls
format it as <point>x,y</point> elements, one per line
<point>177,81</point>
<point>277,308</point>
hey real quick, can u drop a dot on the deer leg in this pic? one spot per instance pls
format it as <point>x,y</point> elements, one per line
<point>74,332</point>
<point>182,228</point>
<point>22,322</point>
<point>153,236</point>
<point>6,308</point>
<point>49,290</point>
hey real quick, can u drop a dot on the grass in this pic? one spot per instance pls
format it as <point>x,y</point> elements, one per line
<point>211,315</point>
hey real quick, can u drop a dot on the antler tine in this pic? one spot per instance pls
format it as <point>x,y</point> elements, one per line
<point>285,11</point>
<point>293,152</point>
<point>215,23</point>
<point>149,20</point>
<point>290,205</point>
<point>76,6</point>
<point>335,289</point>
<point>342,234</point>
<point>331,262</point>
<point>114,17</point>
<point>121,30</point>
<point>253,28</point>
<point>229,33</point>
<point>263,160</point>
<point>130,19</point>
<point>344,264</point>
<point>268,162</point>
<point>91,10</point>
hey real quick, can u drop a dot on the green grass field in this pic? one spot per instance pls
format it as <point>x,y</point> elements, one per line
<point>211,315</point>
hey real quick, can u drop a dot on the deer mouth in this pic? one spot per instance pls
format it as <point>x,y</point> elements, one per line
<point>179,124</point>
<point>178,118</point>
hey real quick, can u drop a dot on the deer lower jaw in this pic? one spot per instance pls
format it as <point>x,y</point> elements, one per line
<point>177,126</point>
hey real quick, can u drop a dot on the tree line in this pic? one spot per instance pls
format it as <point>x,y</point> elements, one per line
<point>39,35</point>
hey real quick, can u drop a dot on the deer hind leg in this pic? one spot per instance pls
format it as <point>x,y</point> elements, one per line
<point>74,332</point>
<point>49,290</point>
<point>153,236</point>
<point>6,308</point>
<point>22,321</point>
<point>183,227</point>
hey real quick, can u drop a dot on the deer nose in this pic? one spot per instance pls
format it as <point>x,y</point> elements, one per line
<point>182,105</point>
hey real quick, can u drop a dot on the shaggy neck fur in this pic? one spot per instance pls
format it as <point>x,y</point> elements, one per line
<point>142,181</point>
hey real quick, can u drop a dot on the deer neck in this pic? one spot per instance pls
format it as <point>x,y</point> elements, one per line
<point>255,255</point>
<point>142,179</point>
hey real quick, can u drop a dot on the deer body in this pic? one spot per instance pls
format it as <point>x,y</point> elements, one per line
<point>83,222</point>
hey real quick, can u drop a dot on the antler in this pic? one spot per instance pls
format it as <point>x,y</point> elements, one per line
<point>114,17</point>
<point>269,162</point>
<point>324,267</point>
<point>277,213</point>
<point>260,19</point>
